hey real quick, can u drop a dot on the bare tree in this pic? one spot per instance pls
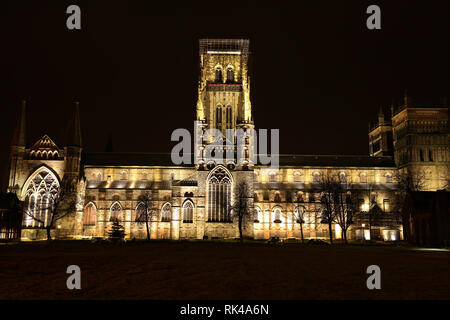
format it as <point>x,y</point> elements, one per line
<point>299,215</point>
<point>337,203</point>
<point>241,208</point>
<point>327,184</point>
<point>145,212</point>
<point>57,207</point>
<point>409,181</point>
<point>372,211</point>
<point>343,206</point>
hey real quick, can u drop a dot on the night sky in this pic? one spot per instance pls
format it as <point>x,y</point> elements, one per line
<point>318,74</point>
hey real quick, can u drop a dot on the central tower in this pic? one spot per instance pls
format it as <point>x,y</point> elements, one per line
<point>224,95</point>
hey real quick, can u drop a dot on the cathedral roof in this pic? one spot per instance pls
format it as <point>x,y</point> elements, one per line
<point>335,161</point>
<point>164,159</point>
<point>129,159</point>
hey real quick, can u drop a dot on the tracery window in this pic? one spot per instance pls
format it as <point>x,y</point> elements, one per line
<point>219,196</point>
<point>89,214</point>
<point>40,195</point>
<point>188,210</point>
<point>140,213</point>
<point>115,212</point>
<point>166,214</point>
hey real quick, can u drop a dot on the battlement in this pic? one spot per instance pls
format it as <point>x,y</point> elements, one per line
<point>224,46</point>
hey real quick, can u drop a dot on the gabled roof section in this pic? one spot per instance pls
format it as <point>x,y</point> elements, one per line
<point>45,143</point>
<point>44,148</point>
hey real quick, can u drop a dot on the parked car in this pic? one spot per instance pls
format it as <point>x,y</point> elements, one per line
<point>274,240</point>
<point>318,242</point>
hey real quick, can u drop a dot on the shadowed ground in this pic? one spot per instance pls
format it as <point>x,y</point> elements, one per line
<point>220,270</point>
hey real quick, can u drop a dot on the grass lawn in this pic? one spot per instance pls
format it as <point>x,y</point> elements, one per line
<point>220,270</point>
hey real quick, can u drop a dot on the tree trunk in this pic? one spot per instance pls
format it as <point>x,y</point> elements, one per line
<point>330,229</point>
<point>148,230</point>
<point>301,230</point>
<point>345,235</point>
<point>49,236</point>
<point>240,230</point>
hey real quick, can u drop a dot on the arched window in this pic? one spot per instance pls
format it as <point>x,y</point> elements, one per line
<point>277,197</point>
<point>297,176</point>
<point>219,117</point>
<point>219,77</point>
<point>316,177</point>
<point>299,196</point>
<point>229,117</point>
<point>258,215</point>
<point>299,214</point>
<point>388,177</point>
<point>140,213</point>
<point>166,214</point>
<point>230,75</point>
<point>124,175</point>
<point>89,215</point>
<point>272,177</point>
<point>277,216</point>
<point>342,177</point>
<point>116,212</point>
<point>219,196</point>
<point>41,191</point>
<point>363,177</point>
<point>188,212</point>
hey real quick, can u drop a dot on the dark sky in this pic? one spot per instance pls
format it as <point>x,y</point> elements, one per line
<point>318,74</point>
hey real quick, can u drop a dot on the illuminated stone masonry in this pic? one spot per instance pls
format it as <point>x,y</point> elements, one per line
<point>192,201</point>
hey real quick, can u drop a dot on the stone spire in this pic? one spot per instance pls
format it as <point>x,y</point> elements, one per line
<point>406,99</point>
<point>19,137</point>
<point>74,129</point>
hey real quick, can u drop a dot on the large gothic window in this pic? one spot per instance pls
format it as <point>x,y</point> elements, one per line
<point>188,209</point>
<point>41,191</point>
<point>89,215</point>
<point>116,212</point>
<point>219,196</point>
<point>219,117</point>
<point>229,117</point>
<point>166,213</point>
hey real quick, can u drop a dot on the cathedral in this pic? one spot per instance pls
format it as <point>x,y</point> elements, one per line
<point>192,201</point>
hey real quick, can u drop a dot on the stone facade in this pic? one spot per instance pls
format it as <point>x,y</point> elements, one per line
<point>191,201</point>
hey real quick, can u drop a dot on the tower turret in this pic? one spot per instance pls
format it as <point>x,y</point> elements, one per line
<point>17,150</point>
